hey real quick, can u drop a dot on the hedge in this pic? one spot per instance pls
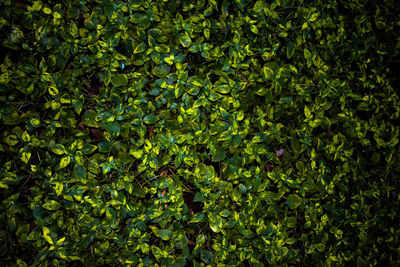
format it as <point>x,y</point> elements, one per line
<point>199,133</point>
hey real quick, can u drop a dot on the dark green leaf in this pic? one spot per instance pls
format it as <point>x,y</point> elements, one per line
<point>150,119</point>
<point>293,201</point>
<point>119,80</point>
<point>219,155</point>
<point>89,118</point>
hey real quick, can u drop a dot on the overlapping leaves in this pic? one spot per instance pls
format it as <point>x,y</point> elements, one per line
<point>199,132</point>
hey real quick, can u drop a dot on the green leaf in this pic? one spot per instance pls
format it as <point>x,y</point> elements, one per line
<point>73,29</point>
<point>307,53</point>
<point>11,140</point>
<point>108,10</point>
<point>47,77</point>
<point>293,201</point>
<point>307,112</point>
<point>300,166</point>
<point>104,146</point>
<point>206,256</point>
<point>155,92</point>
<point>223,89</point>
<point>162,48</point>
<point>53,90</point>
<point>254,29</point>
<point>198,217</point>
<point>46,235</point>
<point>314,17</point>
<point>119,80</point>
<point>78,105</point>
<point>178,90</point>
<point>165,234</point>
<point>58,149</point>
<point>80,172</point>
<point>113,128</point>
<point>150,119</point>
<point>65,162</point>
<point>286,100</point>
<point>237,140</point>
<point>57,15</point>
<point>62,254</point>
<point>107,77</point>
<point>258,6</point>
<point>268,73</point>
<point>153,163</point>
<point>320,247</point>
<point>137,153</point>
<point>290,49</point>
<point>219,155</point>
<point>51,205</point>
<point>140,48</point>
<point>225,213</point>
<point>185,40</point>
<point>315,123</point>
<point>242,189</point>
<point>198,197</point>
<point>35,122</point>
<point>25,137</point>
<point>47,10</point>
<point>89,149</point>
<point>89,118</point>
<point>25,156</point>
<point>161,70</point>
<point>138,192</point>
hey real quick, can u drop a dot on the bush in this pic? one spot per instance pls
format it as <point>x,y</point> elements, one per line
<point>173,133</point>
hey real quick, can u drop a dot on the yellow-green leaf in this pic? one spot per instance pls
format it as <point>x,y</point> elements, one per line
<point>119,80</point>
<point>307,53</point>
<point>57,15</point>
<point>25,137</point>
<point>58,149</point>
<point>53,91</point>
<point>73,29</point>
<point>35,122</point>
<point>65,162</point>
<point>185,40</point>
<point>268,73</point>
<point>62,254</point>
<point>307,111</point>
<point>46,235</point>
<point>51,205</point>
<point>314,17</point>
<point>137,154</point>
<point>47,77</point>
<point>254,29</point>
<point>60,241</point>
<point>47,10</point>
<point>140,48</point>
<point>25,157</point>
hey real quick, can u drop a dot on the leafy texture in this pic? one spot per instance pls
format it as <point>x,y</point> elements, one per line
<point>199,133</point>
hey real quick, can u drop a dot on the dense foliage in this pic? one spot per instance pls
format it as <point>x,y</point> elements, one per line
<point>177,132</point>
